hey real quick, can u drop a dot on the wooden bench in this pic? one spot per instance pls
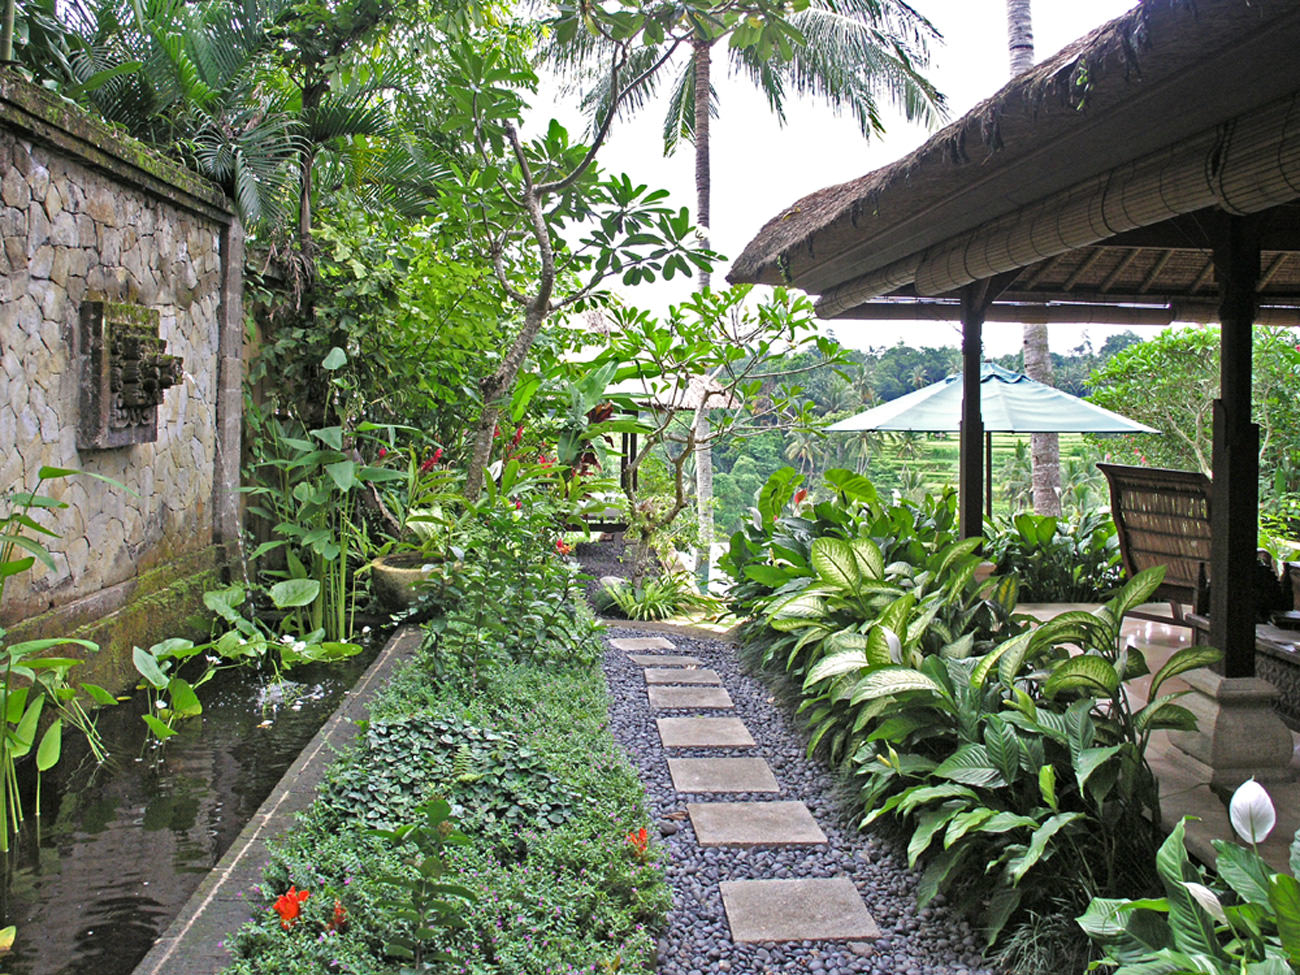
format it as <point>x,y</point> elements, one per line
<point>1163,518</point>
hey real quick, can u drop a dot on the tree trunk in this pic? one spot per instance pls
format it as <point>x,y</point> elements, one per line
<point>703,186</point>
<point>700,58</point>
<point>493,388</point>
<point>704,492</point>
<point>1020,36</point>
<point>1045,451</point>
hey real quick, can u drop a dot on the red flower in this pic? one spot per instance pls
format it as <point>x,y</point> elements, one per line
<point>544,460</point>
<point>427,466</point>
<point>339,919</point>
<point>639,841</point>
<point>289,906</point>
<point>518,504</point>
<point>800,496</point>
<point>383,452</point>
<point>437,455</point>
<point>496,430</point>
<point>519,435</point>
<point>563,547</point>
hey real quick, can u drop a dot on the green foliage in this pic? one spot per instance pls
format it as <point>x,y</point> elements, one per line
<point>428,905</point>
<point>1170,383</point>
<point>654,598</point>
<point>524,761</point>
<point>1011,756</point>
<point>35,680</point>
<point>1247,919</point>
<point>1056,561</point>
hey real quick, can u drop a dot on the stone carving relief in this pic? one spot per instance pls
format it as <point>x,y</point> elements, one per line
<point>125,371</point>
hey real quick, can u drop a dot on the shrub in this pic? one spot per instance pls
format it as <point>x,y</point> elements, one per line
<point>1002,748</point>
<point>1056,561</point>
<point>656,598</point>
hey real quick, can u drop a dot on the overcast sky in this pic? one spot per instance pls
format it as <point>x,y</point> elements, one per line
<point>758,167</point>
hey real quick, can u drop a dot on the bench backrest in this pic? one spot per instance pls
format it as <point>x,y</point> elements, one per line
<point>1163,518</point>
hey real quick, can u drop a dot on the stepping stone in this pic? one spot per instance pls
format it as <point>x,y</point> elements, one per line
<point>703,733</point>
<point>796,910</point>
<point>754,824</point>
<point>689,697</point>
<point>638,643</point>
<point>698,775</point>
<point>664,660</point>
<point>680,675</point>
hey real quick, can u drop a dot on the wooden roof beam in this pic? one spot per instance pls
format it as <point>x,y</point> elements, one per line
<point>1120,268</point>
<point>1161,262</point>
<point>1093,257</point>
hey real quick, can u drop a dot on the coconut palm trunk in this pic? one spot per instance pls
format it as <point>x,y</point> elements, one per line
<point>1045,450</point>
<point>701,58</point>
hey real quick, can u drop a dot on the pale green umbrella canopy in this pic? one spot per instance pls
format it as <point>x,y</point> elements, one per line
<point>1010,402</point>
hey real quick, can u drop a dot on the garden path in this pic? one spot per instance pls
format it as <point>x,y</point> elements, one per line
<point>766,877</point>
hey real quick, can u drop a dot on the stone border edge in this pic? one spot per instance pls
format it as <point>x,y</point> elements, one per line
<point>274,815</point>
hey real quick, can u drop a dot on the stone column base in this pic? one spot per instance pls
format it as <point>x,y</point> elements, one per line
<point>1239,735</point>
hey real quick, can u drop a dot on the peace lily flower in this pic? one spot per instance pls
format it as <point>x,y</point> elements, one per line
<point>1207,899</point>
<point>1251,812</point>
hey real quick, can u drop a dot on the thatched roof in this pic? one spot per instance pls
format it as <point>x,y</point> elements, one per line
<point>1129,94</point>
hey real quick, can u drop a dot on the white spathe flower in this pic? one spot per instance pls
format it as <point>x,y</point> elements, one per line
<point>1207,899</point>
<point>1251,812</point>
<point>299,646</point>
<point>286,639</point>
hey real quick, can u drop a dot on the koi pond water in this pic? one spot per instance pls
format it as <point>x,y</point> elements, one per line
<point>119,848</point>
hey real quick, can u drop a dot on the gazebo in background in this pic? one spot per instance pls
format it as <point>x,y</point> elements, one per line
<point>1147,173</point>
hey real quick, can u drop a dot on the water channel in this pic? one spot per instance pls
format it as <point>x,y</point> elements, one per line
<point>120,848</point>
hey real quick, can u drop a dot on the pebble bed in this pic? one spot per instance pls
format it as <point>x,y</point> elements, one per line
<point>697,939</point>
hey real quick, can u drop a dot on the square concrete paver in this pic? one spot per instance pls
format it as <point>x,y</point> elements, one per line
<point>754,824</point>
<point>796,910</point>
<point>681,675</point>
<point>636,644</point>
<point>689,697</point>
<point>699,775</point>
<point>703,733</point>
<point>664,660</point>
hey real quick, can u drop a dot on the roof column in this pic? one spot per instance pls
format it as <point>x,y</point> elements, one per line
<point>970,483</point>
<point>1235,494</point>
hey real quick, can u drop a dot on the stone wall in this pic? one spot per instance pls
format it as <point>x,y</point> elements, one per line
<point>87,214</point>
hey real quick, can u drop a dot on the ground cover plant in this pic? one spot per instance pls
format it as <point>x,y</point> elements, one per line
<point>1015,763</point>
<point>485,814</point>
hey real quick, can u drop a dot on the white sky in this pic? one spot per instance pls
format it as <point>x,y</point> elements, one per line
<point>759,167</point>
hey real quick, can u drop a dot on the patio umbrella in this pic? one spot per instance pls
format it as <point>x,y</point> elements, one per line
<point>1010,402</point>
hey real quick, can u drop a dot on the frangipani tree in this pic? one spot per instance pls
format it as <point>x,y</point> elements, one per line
<point>552,225</point>
<point>716,355</point>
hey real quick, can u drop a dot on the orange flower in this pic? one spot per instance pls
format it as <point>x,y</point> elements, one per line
<point>563,547</point>
<point>289,906</point>
<point>639,841</point>
<point>339,919</point>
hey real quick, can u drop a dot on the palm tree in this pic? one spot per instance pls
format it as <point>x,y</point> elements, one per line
<point>852,53</point>
<point>1044,447</point>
